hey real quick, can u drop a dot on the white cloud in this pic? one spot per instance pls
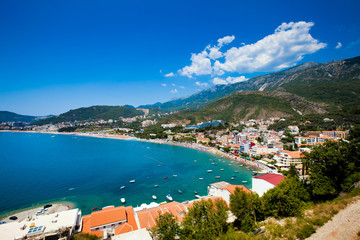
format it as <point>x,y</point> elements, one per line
<point>284,48</point>
<point>202,84</point>
<point>339,45</point>
<point>229,80</point>
<point>174,90</point>
<point>171,74</point>
<point>225,40</point>
<point>219,81</point>
<point>200,65</point>
<point>163,84</point>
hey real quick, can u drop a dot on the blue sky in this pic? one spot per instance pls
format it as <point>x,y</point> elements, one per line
<point>60,55</point>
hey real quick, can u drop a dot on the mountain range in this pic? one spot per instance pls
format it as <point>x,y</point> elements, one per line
<point>309,88</point>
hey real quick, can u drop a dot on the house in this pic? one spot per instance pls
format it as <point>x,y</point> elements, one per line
<point>110,221</point>
<point>261,184</point>
<point>224,189</point>
<point>39,227</point>
<point>147,215</point>
<point>288,158</point>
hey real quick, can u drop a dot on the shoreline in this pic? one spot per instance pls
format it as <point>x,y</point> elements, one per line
<point>194,146</point>
<point>24,213</point>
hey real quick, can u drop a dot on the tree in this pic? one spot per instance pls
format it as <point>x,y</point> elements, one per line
<point>205,220</point>
<point>247,208</point>
<point>166,228</point>
<point>287,199</point>
<point>331,164</point>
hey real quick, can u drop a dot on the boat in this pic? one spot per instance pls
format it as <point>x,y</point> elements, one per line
<point>165,177</point>
<point>244,181</point>
<point>213,163</point>
<point>196,192</point>
<point>222,169</point>
<point>236,171</point>
<point>179,191</point>
<point>216,164</point>
<point>241,165</point>
<point>169,197</point>
<point>53,136</point>
<point>217,177</point>
<point>154,197</point>
<point>255,173</point>
<point>94,208</point>
<point>122,200</point>
<point>232,178</point>
<point>200,178</point>
<point>174,175</point>
<point>155,186</point>
<point>209,171</point>
<point>197,196</point>
<point>122,187</point>
<point>132,181</point>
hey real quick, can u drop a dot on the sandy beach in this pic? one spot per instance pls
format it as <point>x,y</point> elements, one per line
<point>23,214</point>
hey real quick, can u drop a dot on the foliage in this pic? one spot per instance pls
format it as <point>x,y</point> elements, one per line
<point>85,236</point>
<point>332,165</point>
<point>247,208</point>
<point>205,220</point>
<point>287,199</point>
<point>6,116</point>
<point>67,129</point>
<point>167,227</point>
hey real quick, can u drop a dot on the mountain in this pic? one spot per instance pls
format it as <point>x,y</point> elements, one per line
<point>251,105</point>
<point>94,113</point>
<point>6,116</point>
<point>333,85</point>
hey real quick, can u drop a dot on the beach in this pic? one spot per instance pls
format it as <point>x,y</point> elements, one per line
<point>23,214</point>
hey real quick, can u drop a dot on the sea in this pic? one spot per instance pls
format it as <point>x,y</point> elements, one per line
<point>90,172</point>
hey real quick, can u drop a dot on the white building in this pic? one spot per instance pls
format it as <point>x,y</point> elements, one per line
<point>261,184</point>
<point>43,225</point>
<point>224,189</point>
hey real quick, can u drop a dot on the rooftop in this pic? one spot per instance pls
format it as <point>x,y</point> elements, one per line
<point>274,179</point>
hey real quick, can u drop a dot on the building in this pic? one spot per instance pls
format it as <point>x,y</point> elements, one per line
<point>224,189</point>
<point>288,158</point>
<point>110,221</point>
<point>261,184</point>
<point>147,214</point>
<point>48,226</point>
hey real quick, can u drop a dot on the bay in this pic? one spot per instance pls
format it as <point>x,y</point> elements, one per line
<point>41,168</point>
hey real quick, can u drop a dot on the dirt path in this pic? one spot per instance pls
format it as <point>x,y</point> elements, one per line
<point>344,225</point>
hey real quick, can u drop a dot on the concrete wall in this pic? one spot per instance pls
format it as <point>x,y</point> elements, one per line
<point>261,186</point>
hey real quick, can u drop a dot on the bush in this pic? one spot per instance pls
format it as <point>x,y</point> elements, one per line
<point>305,231</point>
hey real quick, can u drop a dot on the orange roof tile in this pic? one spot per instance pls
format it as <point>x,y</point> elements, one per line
<point>293,154</point>
<point>147,217</point>
<point>86,227</point>
<point>231,188</point>
<point>108,215</point>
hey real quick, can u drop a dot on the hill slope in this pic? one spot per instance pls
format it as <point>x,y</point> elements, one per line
<point>94,113</point>
<point>6,116</point>
<point>251,105</point>
<point>334,85</point>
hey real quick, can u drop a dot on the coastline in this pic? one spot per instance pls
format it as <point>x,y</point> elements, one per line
<point>24,213</point>
<point>194,146</point>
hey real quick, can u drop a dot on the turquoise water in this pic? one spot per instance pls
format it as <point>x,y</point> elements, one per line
<point>38,168</point>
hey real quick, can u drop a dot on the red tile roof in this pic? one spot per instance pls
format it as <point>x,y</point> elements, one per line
<point>231,188</point>
<point>107,216</point>
<point>274,179</point>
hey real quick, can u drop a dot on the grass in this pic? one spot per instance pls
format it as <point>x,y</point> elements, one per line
<point>315,216</point>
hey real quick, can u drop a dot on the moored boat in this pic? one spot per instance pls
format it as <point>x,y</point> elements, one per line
<point>179,191</point>
<point>132,181</point>
<point>217,177</point>
<point>122,187</point>
<point>209,171</point>
<point>155,186</point>
<point>122,200</point>
<point>222,169</point>
<point>244,181</point>
<point>169,197</point>
<point>197,196</point>
<point>165,177</point>
<point>94,208</point>
<point>154,197</point>
<point>200,178</point>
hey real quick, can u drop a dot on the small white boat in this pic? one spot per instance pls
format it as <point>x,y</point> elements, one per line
<point>154,197</point>
<point>174,175</point>
<point>209,171</point>
<point>197,196</point>
<point>200,178</point>
<point>122,200</point>
<point>244,181</point>
<point>132,181</point>
<point>122,187</point>
<point>169,197</point>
